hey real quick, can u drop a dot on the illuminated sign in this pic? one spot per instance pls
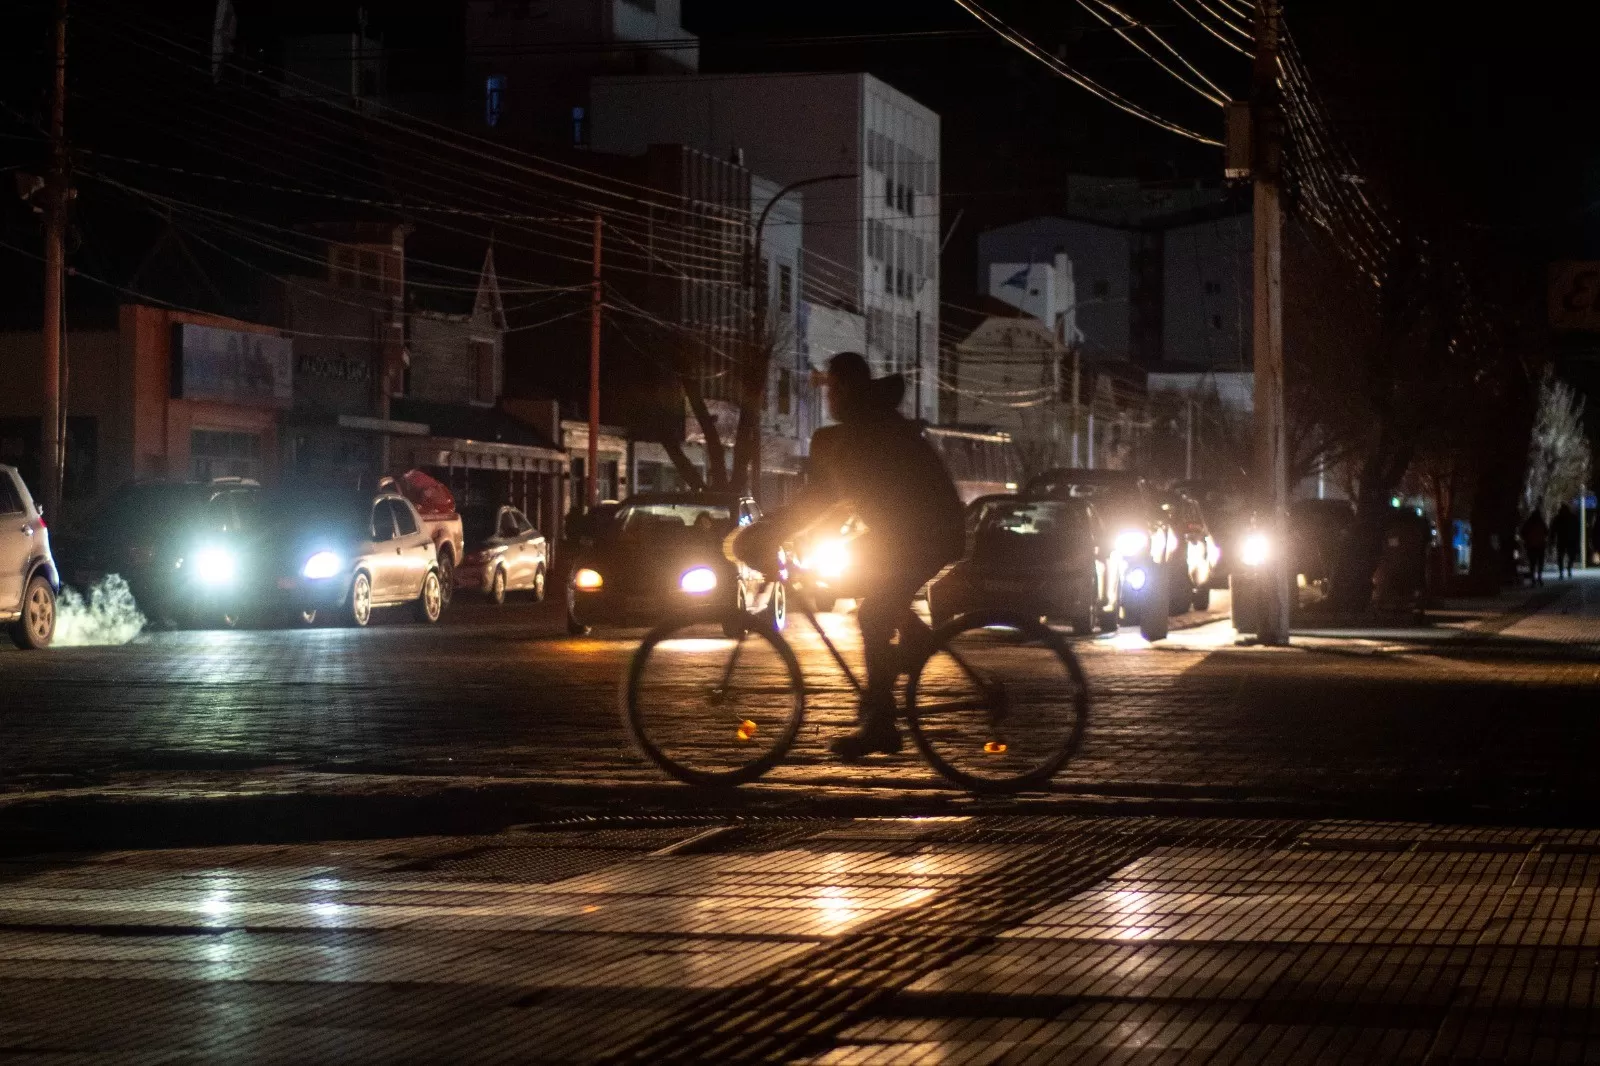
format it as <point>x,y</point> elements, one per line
<point>232,366</point>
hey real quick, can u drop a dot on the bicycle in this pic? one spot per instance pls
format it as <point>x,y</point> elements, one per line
<point>996,702</point>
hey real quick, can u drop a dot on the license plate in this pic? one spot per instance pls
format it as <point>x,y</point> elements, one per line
<point>286,582</point>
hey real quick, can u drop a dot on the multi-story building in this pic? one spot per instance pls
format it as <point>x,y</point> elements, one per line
<point>871,232</point>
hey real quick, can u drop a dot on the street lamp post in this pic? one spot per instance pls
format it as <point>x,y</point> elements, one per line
<point>755,385</point>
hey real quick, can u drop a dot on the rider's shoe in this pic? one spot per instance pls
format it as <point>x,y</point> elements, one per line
<point>874,737</point>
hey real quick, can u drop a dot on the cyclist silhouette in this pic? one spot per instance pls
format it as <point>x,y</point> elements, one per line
<point>877,461</point>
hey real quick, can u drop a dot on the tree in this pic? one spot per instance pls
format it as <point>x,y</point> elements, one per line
<point>1558,449</point>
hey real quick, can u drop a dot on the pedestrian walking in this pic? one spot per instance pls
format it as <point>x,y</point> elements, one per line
<point>1534,535</point>
<point>1564,531</point>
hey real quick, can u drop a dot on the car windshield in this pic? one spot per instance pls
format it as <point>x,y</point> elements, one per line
<point>329,511</point>
<point>140,510</point>
<point>665,519</point>
<point>1029,532</point>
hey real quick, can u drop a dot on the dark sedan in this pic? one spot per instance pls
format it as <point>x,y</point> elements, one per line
<point>661,553</point>
<point>1041,557</point>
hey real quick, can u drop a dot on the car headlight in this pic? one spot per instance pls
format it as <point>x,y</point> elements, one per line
<point>700,579</point>
<point>1131,542</point>
<point>320,566</point>
<point>829,558</point>
<point>1255,549</point>
<point>1137,579</point>
<point>587,579</point>
<point>215,566</point>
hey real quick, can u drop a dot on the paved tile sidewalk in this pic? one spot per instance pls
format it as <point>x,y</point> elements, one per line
<point>973,940</point>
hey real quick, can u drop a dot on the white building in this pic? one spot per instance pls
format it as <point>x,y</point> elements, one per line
<point>871,238</point>
<point>1044,290</point>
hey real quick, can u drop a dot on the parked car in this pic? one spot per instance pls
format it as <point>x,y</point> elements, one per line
<point>1228,512</point>
<point>1141,533</point>
<point>28,578</point>
<point>1047,557</point>
<point>171,542</point>
<point>339,553</point>
<point>1200,552</point>
<point>436,509</point>
<point>504,553</point>
<point>661,553</point>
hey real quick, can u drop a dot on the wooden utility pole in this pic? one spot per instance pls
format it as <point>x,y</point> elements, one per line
<point>591,487</point>
<point>1271,461</point>
<point>55,265</point>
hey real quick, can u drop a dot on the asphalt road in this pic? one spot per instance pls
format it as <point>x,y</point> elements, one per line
<point>1500,722</point>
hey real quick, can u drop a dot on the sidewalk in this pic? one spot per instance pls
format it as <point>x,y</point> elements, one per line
<point>971,940</point>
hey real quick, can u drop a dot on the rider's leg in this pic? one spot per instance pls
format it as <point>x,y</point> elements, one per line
<point>884,609</point>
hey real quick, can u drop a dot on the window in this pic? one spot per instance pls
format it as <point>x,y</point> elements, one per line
<point>580,129</point>
<point>508,525</point>
<point>219,453</point>
<point>1216,321</point>
<point>1102,288</point>
<point>371,270</point>
<point>494,95</point>
<point>10,499</point>
<point>785,388</point>
<point>523,525</point>
<point>785,288</point>
<point>405,521</point>
<point>483,371</point>
<point>382,521</point>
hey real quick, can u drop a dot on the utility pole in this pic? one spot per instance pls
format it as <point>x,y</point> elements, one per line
<point>591,487</point>
<point>1271,462</point>
<point>1077,379</point>
<point>55,266</point>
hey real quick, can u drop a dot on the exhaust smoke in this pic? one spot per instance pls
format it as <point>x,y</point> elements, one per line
<point>107,616</point>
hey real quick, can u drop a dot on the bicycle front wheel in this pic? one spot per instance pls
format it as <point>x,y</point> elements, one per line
<point>999,704</point>
<point>711,709</point>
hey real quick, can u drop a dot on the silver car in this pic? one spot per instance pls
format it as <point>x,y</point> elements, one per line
<point>342,554</point>
<point>28,578</point>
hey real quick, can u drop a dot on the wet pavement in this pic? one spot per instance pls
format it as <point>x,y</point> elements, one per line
<point>970,940</point>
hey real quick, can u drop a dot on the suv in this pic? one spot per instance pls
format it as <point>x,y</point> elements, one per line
<point>28,579</point>
<point>154,533</point>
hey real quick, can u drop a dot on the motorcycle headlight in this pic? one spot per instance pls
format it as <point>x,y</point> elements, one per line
<point>215,566</point>
<point>320,566</point>
<point>1131,542</point>
<point>700,579</point>
<point>587,579</point>
<point>1255,549</point>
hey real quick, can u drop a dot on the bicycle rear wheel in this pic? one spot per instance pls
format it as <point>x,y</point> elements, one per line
<point>999,703</point>
<point>710,709</point>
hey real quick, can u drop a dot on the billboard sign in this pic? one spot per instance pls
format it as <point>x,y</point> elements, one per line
<point>232,366</point>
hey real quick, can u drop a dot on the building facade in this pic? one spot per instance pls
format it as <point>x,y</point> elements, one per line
<point>870,237</point>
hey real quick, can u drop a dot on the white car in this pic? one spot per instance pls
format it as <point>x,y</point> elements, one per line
<point>28,578</point>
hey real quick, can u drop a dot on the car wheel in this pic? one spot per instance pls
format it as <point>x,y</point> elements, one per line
<point>538,585</point>
<point>37,626</point>
<point>1202,598</point>
<point>778,606</point>
<point>1083,620</point>
<point>497,586</point>
<point>1153,620</point>
<point>430,605</point>
<point>361,600</point>
<point>1108,620</point>
<point>447,578</point>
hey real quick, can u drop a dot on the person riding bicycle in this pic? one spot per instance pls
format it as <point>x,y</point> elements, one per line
<point>877,461</point>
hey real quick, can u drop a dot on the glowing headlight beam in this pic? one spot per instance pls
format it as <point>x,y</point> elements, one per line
<point>829,558</point>
<point>320,566</point>
<point>1131,542</point>
<point>699,579</point>
<point>1255,549</point>
<point>215,566</point>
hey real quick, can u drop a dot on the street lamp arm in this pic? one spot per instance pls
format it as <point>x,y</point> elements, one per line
<point>761,221</point>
